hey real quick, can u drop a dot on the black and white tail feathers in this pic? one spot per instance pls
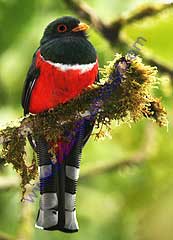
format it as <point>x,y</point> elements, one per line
<point>58,184</point>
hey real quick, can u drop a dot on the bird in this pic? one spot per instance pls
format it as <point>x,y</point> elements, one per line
<point>64,64</point>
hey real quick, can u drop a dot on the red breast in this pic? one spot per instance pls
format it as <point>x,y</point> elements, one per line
<point>59,83</point>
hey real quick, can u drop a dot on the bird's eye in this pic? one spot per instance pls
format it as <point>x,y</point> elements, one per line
<point>62,28</point>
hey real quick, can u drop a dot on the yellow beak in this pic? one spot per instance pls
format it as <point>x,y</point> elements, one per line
<point>81,27</point>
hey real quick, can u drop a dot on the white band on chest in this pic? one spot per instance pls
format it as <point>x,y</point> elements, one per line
<point>65,67</point>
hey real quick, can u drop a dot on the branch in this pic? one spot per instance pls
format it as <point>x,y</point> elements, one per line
<point>125,91</point>
<point>108,168</point>
<point>87,13</point>
<point>144,12</point>
<point>162,68</point>
<point>124,94</point>
<point>111,32</point>
<point>144,152</point>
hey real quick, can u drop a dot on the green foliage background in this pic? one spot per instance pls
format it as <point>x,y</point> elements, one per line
<point>131,204</point>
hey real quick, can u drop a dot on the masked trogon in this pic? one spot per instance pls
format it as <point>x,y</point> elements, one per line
<point>62,67</point>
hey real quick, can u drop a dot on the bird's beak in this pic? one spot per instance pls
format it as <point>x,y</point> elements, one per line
<point>81,27</point>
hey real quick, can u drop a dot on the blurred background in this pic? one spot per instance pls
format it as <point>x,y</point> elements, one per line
<point>116,199</point>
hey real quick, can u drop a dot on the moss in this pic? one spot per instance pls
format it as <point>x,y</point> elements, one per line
<point>124,94</point>
<point>14,152</point>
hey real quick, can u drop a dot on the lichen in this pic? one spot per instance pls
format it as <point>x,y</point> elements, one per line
<point>124,94</point>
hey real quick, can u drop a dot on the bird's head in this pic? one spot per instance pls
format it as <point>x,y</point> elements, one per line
<point>65,41</point>
<point>64,27</point>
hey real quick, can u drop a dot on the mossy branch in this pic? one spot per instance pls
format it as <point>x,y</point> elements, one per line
<point>124,94</point>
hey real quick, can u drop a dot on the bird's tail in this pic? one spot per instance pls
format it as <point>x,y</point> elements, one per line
<point>58,182</point>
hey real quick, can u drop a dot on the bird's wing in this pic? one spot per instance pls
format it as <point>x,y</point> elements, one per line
<point>30,80</point>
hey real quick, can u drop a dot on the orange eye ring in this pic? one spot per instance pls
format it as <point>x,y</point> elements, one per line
<point>62,28</point>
